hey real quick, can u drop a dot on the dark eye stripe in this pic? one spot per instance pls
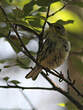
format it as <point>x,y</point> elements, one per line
<point>59,27</point>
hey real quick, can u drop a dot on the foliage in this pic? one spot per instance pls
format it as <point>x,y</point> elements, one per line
<point>15,82</point>
<point>6,78</point>
<point>30,16</point>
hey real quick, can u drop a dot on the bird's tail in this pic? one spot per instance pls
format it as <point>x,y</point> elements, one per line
<point>34,73</point>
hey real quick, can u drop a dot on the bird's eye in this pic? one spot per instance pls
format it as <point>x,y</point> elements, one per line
<point>59,27</point>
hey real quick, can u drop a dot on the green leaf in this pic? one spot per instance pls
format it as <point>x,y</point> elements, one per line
<point>2,61</point>
<point>42,9</point>
<point>2,17</point>
<point>23,61</point>
<point>18,13</point>
<point>17,18</point>
<point>60,21</point>
<point>78,3</point>
<point>17,42</point>
<point>28,7</point>
<point>26,39</point>
<point>4,30</point>
<point>14,47</point>
<point>4,26</point>
<point>45,2</point>
<point>6,78</point>
<point>7,66</point>
<point>35,21</point>
<point>7,60</point>
<point>15,82</point>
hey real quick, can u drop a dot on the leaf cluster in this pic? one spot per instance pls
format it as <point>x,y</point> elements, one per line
<point>29,18</point>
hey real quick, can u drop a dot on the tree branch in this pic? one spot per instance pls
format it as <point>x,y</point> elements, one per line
<point>47,69</point>
<point>73,100</point>
<point>22,87</point>
<point>42,32</point>
<point>27,53</point>
<point>58,10</point>
<point>47,15</point>
<point>28,29</point>
<point>68,82</point>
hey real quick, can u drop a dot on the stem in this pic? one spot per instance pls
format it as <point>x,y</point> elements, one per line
<point>58,10</point>
<point>21,87</point>
<point>27,53</point>
<point>42,32</point>
<point>28,29</point>
<point>73,100</point>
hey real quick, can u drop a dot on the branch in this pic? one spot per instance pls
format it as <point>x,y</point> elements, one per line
<point>58,10</point>
<point>28,29</point>
<point>68,82</point>
<point>46,69</point>
<point>74,101</point>
<point>21,87</point>
<point>42,32</point>
<point>47,15</point>
<point>27,53</point>
<point>22,26</point>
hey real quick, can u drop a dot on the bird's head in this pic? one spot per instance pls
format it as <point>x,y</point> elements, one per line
<point>57,28</point>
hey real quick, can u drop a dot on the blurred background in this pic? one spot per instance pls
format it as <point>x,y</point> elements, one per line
<point>15,99</point>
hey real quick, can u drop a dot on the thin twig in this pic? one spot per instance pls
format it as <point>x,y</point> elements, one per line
<point>57,75</point>
<point>26,52</point>
<point>22,87</point>
<point>58,10</point>
<point>28,29</point>
<point>42,32</point>
<point>47,15</point>
<point>74,101</point>
<point>23,27</point>
<point>68,77</point>
<point>68,82</point>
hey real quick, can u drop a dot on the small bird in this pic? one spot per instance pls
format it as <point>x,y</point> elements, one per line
<point>55,49</point>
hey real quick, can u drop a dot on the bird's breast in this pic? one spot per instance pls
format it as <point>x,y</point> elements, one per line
<point>55,59</point>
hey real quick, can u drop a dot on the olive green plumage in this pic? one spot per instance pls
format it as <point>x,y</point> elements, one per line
<point>55,49</point>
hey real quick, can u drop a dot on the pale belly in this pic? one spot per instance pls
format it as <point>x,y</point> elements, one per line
<point>55,59</point>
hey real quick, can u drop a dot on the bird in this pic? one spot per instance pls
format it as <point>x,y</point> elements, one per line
<point>55,49</point>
